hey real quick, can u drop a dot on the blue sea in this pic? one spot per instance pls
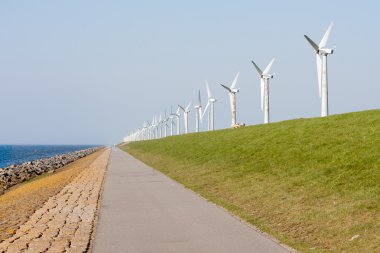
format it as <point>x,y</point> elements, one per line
<point>17,154</point>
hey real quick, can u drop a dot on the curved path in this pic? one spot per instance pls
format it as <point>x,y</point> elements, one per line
<point>145,211</point>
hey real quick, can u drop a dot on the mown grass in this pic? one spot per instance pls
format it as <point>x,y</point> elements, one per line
<point>18,203</point>
<point>311,183</point>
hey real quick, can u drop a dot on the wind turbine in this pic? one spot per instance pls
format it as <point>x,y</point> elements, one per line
<point>210,102</point>
<point>154,128</point>
<point>157,126</point>
<point>232,91</point>
<point>165,120</point>
<point>264,87</point>
<point>161,125</point>
<point>322,51</point>
<point>198,111</point>
<point>171,117</point>
<point>186,116</point>
<point>178,115</point>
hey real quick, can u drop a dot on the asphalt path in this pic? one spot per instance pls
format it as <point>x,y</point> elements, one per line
<point>144,211</point>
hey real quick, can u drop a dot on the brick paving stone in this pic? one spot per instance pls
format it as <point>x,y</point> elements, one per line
<point>65,222</point>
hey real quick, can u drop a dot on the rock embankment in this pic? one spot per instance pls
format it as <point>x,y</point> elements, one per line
<point>15,174</point>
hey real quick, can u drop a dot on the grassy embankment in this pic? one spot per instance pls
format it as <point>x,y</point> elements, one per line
<point>19,202</point>
<point>312,183</point>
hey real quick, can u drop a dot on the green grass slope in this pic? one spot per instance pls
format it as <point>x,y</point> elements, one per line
<point>312,183</point>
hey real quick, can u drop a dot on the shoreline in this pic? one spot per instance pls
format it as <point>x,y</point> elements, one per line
<point>17,154</point>
<point>15,174</point>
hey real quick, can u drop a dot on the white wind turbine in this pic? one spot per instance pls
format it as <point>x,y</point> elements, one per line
<point>232,91</point>
<point>171,117</point>
<point>198,111</point>
<point>210,102</point>
<point>151,130</point>
<point>322,51</point>
<point>178,116</point>
<point>264,87</point>
<point>155,128</point>
<point>165,120</point>
<point>186,116</point>
<point>160,122</point>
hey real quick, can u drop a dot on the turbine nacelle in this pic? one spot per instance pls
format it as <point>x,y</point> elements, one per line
<point>267,76</point>
<point>325,51</point>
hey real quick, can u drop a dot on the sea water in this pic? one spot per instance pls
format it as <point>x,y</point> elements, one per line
<point>17,154</point>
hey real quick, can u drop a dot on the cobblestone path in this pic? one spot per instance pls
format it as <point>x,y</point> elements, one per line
<point>65,222</point>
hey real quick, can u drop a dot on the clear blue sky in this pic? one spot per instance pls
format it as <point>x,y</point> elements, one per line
<point>82,72</point>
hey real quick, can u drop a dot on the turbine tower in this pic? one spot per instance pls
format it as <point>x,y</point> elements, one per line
<point>264,87</point>
<point>186,116</point>
<point>322,51</point>
<point>232,91</point>
<point>198,112</point>
<point>210,102</point>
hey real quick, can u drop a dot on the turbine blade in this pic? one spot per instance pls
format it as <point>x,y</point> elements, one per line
<point>312,43</point>
<point>226,88</point>
<point>234,82</point>
<point>262,84</point>
<point>199,98</point>
<point>325,38</point>
<point>208,90</point>
<point>266,70</point>
<point>178,110</point>
<point>204,112</point>
<point>257,69</point>
<point>188,106</point>
<point>183,109</point>
<point>319,73</point>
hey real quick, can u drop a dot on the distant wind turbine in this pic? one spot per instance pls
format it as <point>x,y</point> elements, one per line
<point>198,112</point>
<point>322,51</point>
<point>171,117</point>
<point>232,91</point>
<point>210,102</point>
<point>177,115</point>
<point>165,120</point>
<point>155,127</point>
<point>160,123</point>
<point>264,87</point>
<point>186,116</point>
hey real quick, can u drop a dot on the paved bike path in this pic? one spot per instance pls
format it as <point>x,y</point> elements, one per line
<point>144,211</point>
